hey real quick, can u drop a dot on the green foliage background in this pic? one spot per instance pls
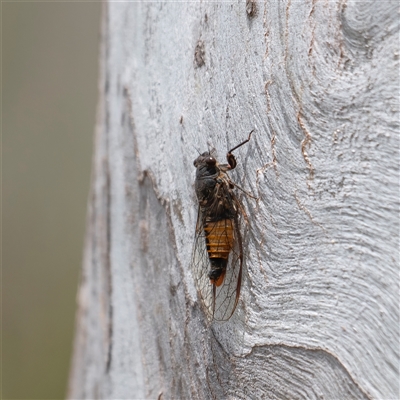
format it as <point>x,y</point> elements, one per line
<point>49,94</point>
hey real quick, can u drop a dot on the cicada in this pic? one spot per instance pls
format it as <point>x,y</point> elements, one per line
<point>217,259</point>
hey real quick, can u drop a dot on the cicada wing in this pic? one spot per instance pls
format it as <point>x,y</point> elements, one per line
<point>219,302</point>
<point>200,266</point>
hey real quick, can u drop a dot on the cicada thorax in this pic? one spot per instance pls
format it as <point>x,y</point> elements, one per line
<point>219,239</point>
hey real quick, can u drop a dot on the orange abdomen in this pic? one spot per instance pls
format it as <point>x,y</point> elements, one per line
<point>219,237</point>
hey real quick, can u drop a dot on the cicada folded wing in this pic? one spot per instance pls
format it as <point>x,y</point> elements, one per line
<point>219,297</point>
<point>200,266</point>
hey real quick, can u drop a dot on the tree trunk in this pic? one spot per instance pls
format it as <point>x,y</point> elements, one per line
<point>318,314</point>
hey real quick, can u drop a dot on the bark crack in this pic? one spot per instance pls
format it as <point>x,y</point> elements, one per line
<point>304,144</point>
<point>306,210</point>
<point>326,352</point>
<point>108,264</point>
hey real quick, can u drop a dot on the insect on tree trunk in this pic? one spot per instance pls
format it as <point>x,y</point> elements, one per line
<point>318,313</point>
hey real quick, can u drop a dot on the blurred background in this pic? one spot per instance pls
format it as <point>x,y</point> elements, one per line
<point>49,95</point>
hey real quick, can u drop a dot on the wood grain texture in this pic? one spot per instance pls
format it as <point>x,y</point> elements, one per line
<point>319,309</point>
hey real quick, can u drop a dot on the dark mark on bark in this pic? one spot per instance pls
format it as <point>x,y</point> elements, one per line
<point>199,54</point>
<point>251,8</point>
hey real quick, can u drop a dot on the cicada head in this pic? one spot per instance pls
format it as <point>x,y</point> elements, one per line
<point>205,161</point>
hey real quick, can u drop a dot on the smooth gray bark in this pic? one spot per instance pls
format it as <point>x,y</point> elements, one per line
<point>319,310</point>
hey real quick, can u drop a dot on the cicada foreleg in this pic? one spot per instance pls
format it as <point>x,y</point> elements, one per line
<point>231,158</point>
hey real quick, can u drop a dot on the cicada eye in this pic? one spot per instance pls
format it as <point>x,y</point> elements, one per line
<point>210,161</point>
